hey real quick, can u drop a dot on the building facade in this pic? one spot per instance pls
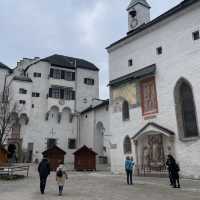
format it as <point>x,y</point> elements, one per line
<point>154,82</point>
<point>50,95</point>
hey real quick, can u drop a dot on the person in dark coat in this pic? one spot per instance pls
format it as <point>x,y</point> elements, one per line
<point>169,172</point>
<point>173,169</point>
<point>44,171</point>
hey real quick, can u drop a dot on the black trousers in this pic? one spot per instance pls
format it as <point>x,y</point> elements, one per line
<point>43,181</point>
<point>170,178</point>
<point>129,174</point>
<point>60,189</point>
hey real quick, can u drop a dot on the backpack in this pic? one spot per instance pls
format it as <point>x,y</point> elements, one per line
<point>59,173</point>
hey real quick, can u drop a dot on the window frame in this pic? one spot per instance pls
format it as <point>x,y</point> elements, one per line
<point>196,35</point>
<point>72,145</point>
<point>130,62</point>
<point>22,91</point>
<point>37,75</point>
<point>89,81</point>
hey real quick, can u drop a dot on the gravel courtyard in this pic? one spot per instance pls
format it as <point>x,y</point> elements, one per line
<point>99,186</point>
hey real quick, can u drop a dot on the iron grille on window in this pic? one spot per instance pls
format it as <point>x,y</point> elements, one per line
<point>62,93</point>
<point>62,74</point>
<point>89,81</point>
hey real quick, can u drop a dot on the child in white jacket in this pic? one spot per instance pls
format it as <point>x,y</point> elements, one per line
<point>61,175</point>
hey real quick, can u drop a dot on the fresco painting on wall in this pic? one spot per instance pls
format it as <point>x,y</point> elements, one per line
<point>126,92</point>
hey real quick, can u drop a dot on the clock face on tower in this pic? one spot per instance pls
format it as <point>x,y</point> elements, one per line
<point>134,22</point>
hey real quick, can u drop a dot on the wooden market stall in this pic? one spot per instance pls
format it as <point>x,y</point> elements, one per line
<point>3,156</point>
<point>84,159</point>
<point>54,155</point>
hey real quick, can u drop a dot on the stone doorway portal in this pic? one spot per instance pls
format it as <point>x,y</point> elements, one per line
<point>153,143</point>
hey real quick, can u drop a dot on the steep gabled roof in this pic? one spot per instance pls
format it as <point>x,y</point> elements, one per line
<point>153,125</point>
<point>134,2</point>
<point>3,66</point>
<point>85,148</point>
<point>52,149</point>
<point>69,62</point>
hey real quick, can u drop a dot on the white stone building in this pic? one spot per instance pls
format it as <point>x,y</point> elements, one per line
<point>154,89</point>
<point>51,93</point>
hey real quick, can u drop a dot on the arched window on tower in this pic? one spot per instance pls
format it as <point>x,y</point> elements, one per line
<point>185,109</point>
<point>125,111</point>
<point>127,145</point>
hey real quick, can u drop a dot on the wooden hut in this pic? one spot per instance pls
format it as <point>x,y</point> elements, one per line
<point>3,155</point>
<point>84,159</point>
<point>54,155</point>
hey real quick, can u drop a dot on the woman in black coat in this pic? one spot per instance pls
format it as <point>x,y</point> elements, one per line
<point>173,169</point>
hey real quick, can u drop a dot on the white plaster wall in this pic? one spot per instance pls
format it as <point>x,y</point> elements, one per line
<point>180,58</point>
<point>86,91</point>
<point>88,122</point>
<point>38,129</point>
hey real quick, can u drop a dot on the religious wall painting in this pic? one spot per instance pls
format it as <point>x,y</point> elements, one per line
<point>128,92</point>
<point>153,155</point>
<point>148,96</point>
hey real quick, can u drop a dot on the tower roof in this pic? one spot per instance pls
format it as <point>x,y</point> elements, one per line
<point>134,2</point>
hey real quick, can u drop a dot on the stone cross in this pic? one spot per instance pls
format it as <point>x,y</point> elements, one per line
<point>52,132</point>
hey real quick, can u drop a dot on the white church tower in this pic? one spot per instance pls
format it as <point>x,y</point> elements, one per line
<point>138,13</point>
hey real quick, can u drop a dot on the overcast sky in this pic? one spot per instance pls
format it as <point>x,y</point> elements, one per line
<point>79,28</point>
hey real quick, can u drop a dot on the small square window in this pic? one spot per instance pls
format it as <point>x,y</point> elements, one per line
<point>32,105</point>
<point>22,91</point>
<point>35,94</point>
<point>72,143</point>
<point>130,62</point>
<point>196,35</point>
<point>22,102</point>
<point>38,75</point>
<point>159,50</point>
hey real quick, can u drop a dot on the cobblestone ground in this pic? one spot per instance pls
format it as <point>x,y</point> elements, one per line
<point>99,186</point>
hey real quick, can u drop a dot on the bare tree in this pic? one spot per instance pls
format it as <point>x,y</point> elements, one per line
<point>7,110</point>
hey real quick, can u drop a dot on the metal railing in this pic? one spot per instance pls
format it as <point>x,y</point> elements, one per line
<point>9,170</point>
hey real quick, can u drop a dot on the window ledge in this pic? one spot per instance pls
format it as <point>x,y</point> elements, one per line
<point>190,139</point>
<point>126,120</point>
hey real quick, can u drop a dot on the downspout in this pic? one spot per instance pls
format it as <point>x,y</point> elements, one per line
<point>75,106</point>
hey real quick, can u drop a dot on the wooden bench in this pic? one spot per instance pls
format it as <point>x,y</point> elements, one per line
<point>10,170</point>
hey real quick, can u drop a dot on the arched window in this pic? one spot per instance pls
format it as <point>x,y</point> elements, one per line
<point>127,145</point>
<point>125,111</point>
<point>185,109</point>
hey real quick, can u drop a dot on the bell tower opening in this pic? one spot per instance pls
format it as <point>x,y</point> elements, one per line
<point>138,13</point>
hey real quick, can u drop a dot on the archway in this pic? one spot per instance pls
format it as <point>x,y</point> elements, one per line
<point>185,109</point>
<point>99,138</point>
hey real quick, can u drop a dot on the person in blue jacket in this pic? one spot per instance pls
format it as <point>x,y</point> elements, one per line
<point>129,163</point>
